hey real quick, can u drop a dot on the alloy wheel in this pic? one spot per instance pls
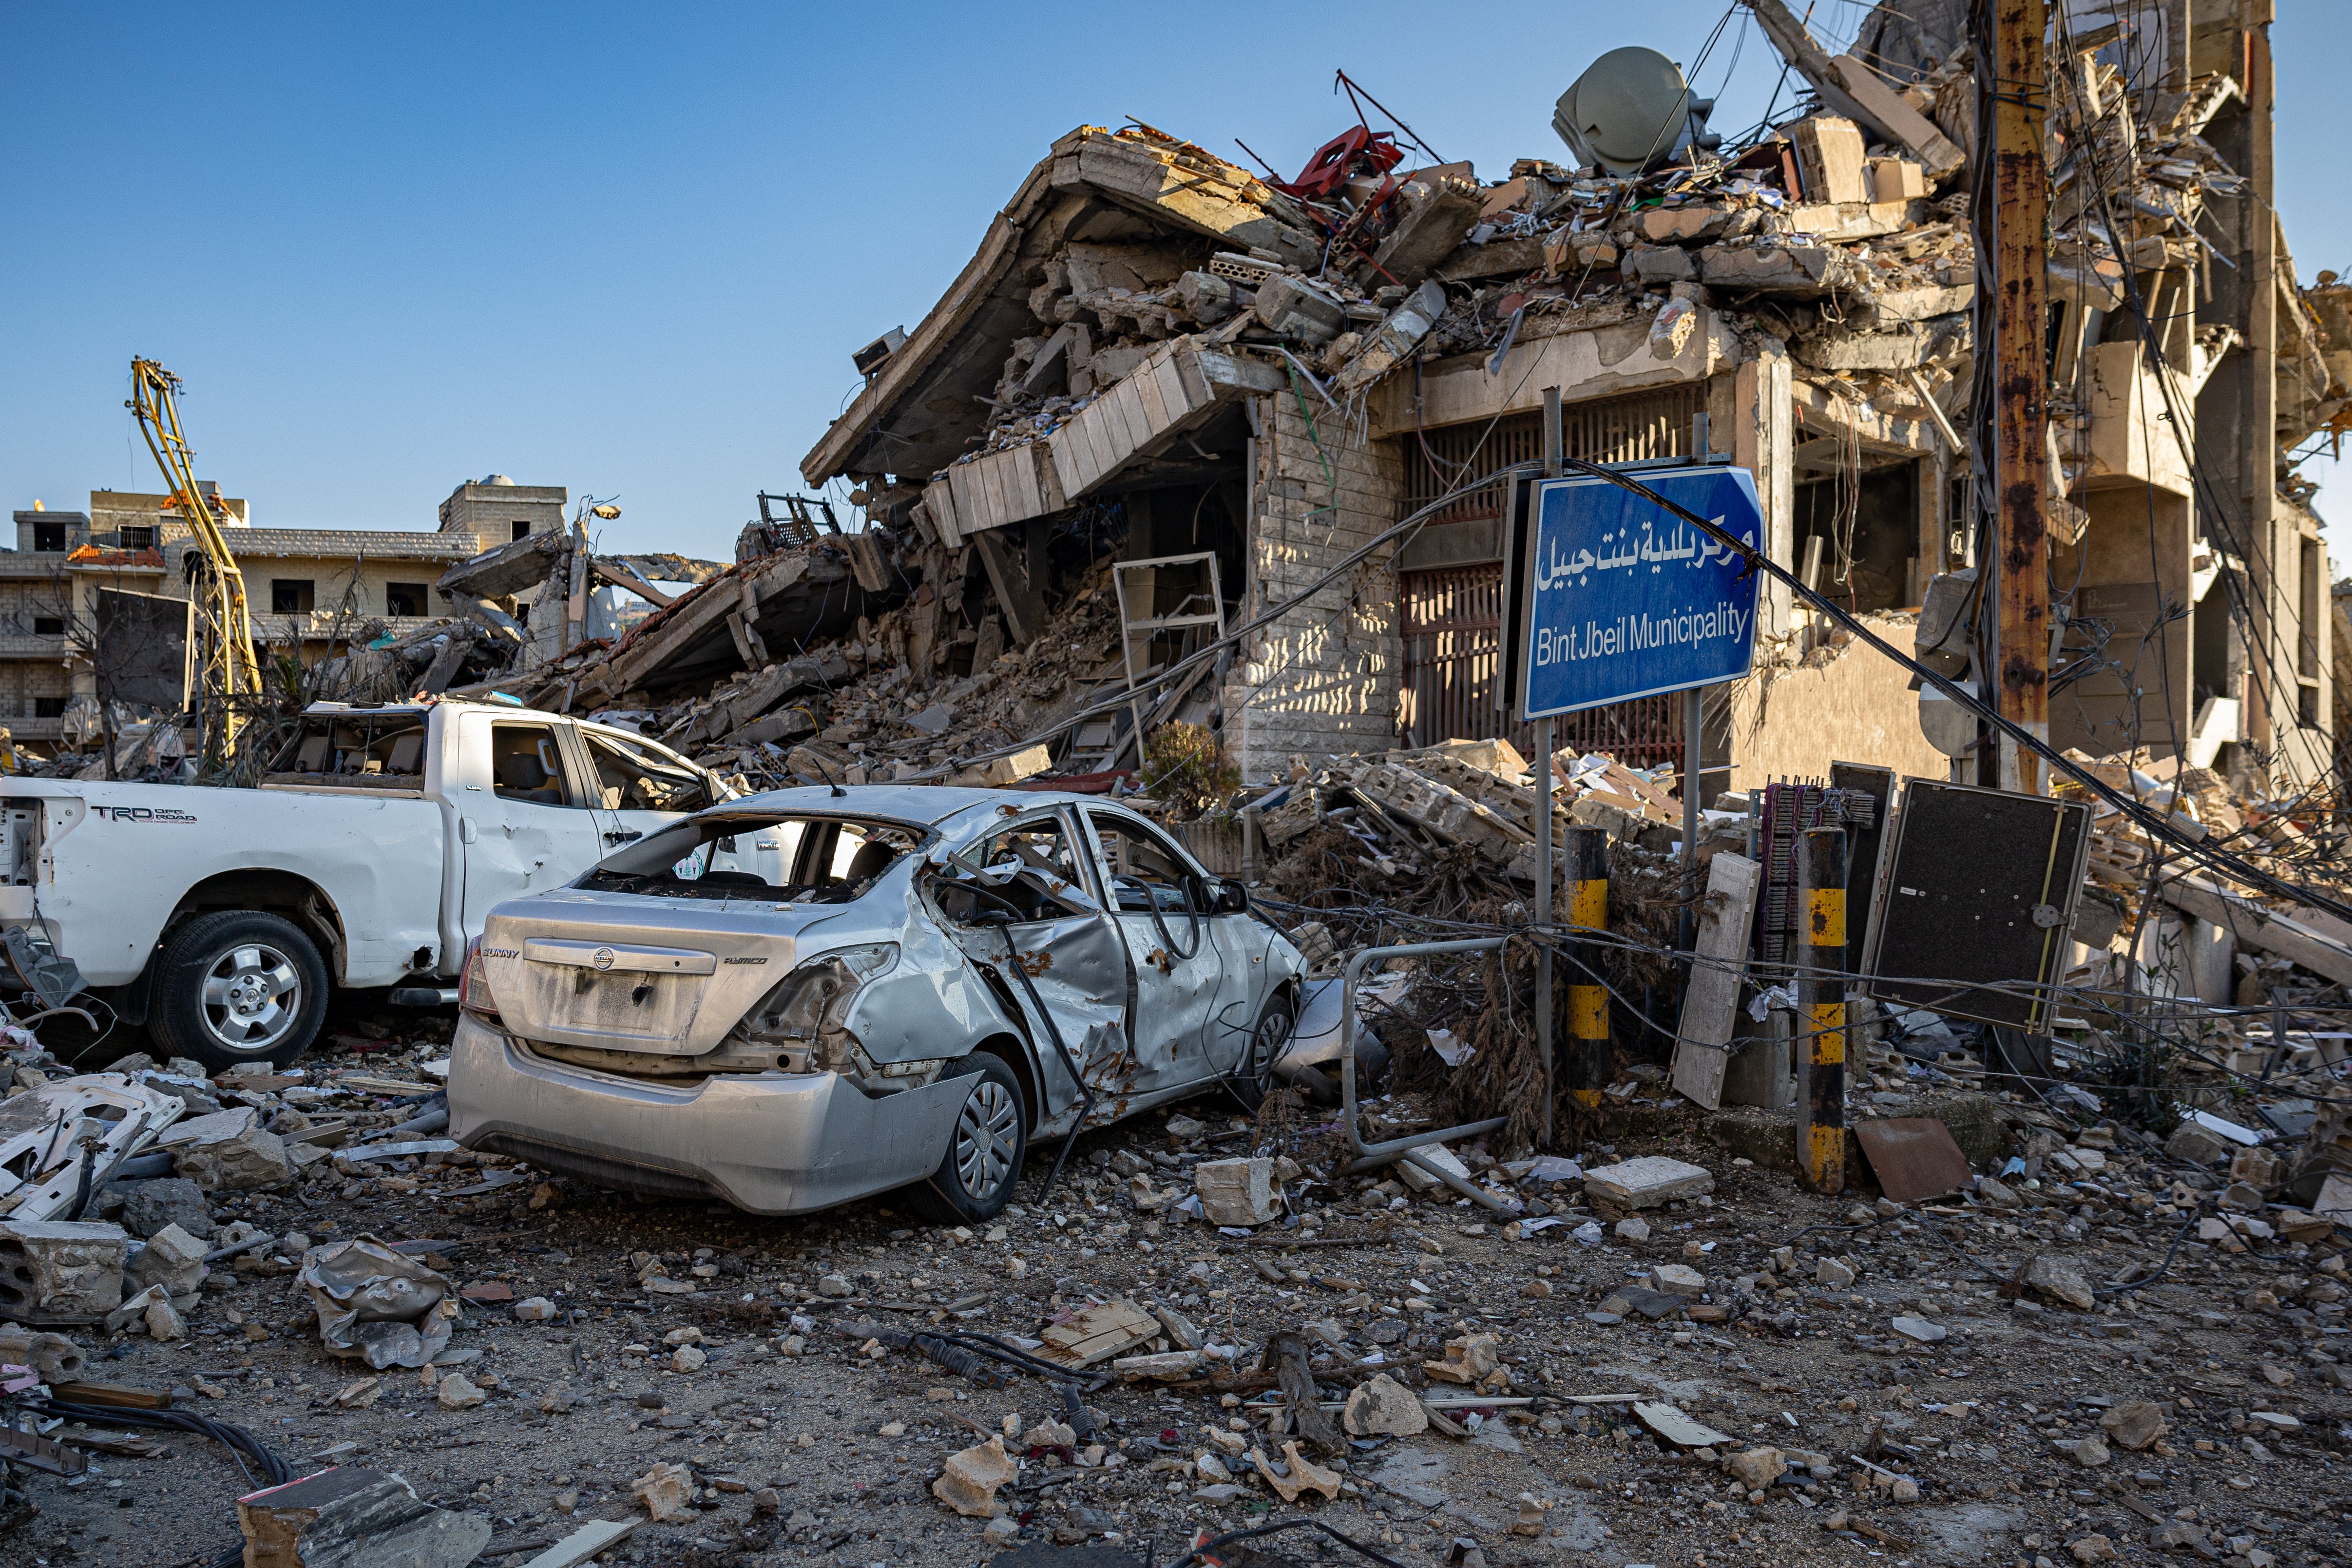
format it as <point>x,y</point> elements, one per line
<point>252,997</point>
<point>984,1139</point>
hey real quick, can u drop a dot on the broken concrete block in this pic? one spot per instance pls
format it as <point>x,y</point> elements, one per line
<point>666,1490</point>
<point>1000,773</point>
<point>1756,1468</point>
<point>968,1483</point>
<point>456,1391</point>
<point>1920,1331</point>
<point>535,1310</point>
<point>1830,158</point>
<point>172,1258</point>
<point>2256,1167</point>
<point>2134,1425</point>
<point>1299,309</point>
<point>1384,1407</point>
<point>1438,1154</point>
<point>2061,1279</point>
<point>1236,1192</point>
<point>350,1518</point>
<point>2196,1145</point>
<point>1647,1182</point>
<point>55,1357</point>
<point>1677,1279</point>
<point>1634,1228</point>
<point>148,1206</point>
<point>1295,1474</point>
<point>247,1159</point>
<point>56,1270</point>
<point>1829,1272</point>
<point>1468,1360</point>
<point>2088,1452</point>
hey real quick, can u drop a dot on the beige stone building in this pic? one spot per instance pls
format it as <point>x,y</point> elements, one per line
<point>77,593</point>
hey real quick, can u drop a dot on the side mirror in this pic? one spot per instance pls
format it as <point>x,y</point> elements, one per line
<point>1233,899</point>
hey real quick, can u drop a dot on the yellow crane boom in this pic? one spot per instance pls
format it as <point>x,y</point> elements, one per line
<point>223,673</point>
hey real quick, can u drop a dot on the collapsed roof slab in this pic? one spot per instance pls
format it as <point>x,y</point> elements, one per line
<point>762,610</point>
<point>914,416</point>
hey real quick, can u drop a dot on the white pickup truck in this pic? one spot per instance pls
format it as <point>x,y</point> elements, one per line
<point>376,842</point>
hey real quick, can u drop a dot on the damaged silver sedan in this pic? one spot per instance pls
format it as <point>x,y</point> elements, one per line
<point>815,994</point>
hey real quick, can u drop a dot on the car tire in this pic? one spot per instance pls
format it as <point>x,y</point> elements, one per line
<point>1253,1077</point>
<point>237,987</point>
<point>985,1147</point>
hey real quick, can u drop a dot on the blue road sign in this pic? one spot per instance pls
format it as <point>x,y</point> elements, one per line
<point>1624,599</point>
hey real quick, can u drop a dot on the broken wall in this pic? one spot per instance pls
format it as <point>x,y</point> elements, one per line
<point>1327,678</point>
<point>1846,704</point>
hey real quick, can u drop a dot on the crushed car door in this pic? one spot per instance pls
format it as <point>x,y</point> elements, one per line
<point>1160,901</point>
<point>531,825</point>
<point>1026,883</point>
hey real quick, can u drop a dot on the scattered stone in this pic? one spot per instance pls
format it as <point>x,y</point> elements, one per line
<point>1648,1182</point>
<point>172,1258</point>
<point>2062,1279</point>
<point>1381,1406</point>
<point>1468,1360</point>
<point>148,1206</point>
<point>535,1309</point>
<point>244,1160</point>
<point>667,1491</point>
<point>1236,1192</point>
<point>2092,1549</point>
<point>1677,1279</point>
<point>1295,1474</point>
<point>2134,1425</point>
<point>2088,1452</point>
<point>1633,1227</point>
<point>687,1358</point>
<point>456,1392</point>
<point>60,1270</point>
<point>1921,1329</point>
<point>1829,1272</point>
<point>1756,1468</point>
<point>969,1481</point>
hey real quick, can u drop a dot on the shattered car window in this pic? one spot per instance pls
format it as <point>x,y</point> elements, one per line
<point>1028,872</point>
<point>637,778</point>
<point>1144,870</point>
<point>826,860</point>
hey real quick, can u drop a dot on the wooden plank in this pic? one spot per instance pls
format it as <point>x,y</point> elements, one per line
<point>2254,926</point>
<point>596,1535</point>
<point>1711,1001</point>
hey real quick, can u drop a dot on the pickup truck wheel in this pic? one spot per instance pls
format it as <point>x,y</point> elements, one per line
<point>237,987</point>
<point>982,1163</point>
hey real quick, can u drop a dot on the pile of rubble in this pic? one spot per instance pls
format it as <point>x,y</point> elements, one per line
<point>2067,1337</point>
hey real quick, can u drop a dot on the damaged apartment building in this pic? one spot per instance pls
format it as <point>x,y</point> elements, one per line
<point>1232,385</point>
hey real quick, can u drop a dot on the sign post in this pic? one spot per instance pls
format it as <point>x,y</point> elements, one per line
<point>1622,599</point>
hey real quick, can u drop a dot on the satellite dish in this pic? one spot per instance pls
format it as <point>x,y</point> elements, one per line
<point>1632,111</point>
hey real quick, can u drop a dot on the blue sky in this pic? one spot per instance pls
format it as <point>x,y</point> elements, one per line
<point>629,249</point>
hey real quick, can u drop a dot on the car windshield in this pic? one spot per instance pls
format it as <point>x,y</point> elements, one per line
<point>787,857</point>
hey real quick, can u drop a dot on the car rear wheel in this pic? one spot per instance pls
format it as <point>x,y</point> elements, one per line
<point>985,1148</point>
<point>237,987</point>
<point>1253,1077</point>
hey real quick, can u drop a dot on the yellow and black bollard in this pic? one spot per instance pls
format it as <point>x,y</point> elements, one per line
<point>1588,999</point>
<point>1821,995</point>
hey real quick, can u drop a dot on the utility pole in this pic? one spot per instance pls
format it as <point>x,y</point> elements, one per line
<point>2020,315</point>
